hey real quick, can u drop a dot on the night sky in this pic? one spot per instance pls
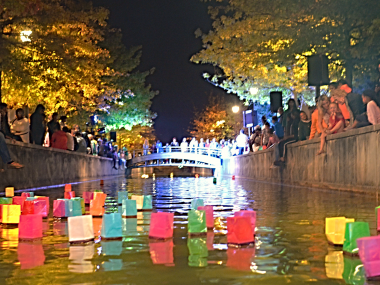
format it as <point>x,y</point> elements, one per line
<point>165,29</point>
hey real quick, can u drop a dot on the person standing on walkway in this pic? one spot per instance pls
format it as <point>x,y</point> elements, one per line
<point>146,146</point>
<point>53,125</point>
<point>37,125</point>
<point>241,141</point>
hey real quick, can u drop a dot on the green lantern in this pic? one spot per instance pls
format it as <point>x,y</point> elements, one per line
<point>353,232</point>
<point>197,222</point>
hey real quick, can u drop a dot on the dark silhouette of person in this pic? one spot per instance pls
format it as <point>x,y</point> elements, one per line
<point>37,125</point>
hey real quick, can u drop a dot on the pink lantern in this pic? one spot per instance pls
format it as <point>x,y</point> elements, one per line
<point>68,188</point>
<point>88,196</point>
<point>40,208</point>
<point>59,209</point>
<point>240,258</point>
<point>369,252</point>
<point>47,203</point>
<point>162,252</point>
<point>30,255</point>
<point>250,214</point>
<point>161,225</point>
<point>239,230</point>
<point>30,227</point>
<point>18,200</point>
<point>209,215</point>
<point>69,195</point>
<point>378,218</point>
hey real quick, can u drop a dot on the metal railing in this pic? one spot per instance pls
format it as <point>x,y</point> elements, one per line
<point>214,152</point>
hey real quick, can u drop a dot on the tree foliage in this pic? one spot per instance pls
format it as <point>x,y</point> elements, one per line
<point>215,121</point>
<point>265,43</point>
<point>73,62</point>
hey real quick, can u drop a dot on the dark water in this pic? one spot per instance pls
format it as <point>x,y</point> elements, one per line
<point>290,248</point>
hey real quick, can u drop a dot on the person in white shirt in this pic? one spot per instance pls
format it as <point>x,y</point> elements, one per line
<point>373,111</point>
<point>20,126</point>
<point>241,141</point>
<point>193,145</point>
<point>184,145</point>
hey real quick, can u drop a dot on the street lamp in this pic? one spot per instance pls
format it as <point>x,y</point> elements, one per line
<point>253,90</point>
<point>235,109</point>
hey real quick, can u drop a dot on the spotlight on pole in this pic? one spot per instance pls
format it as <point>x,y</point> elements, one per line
<point>235,109</point>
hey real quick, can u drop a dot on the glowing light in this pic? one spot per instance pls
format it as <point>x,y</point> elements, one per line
<point>253,90</point>
<point>145,176</point>
<point>235,109</point>
<point>24,35</point>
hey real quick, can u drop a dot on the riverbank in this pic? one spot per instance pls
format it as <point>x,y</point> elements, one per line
<point>48,166</point>
<point>351,163</point>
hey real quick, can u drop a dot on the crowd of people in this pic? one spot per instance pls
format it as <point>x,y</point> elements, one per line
<point>14,125</point>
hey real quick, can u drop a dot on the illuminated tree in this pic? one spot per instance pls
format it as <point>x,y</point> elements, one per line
<point>134,138</point>
<point>264,43</point>
<point>214,121</point>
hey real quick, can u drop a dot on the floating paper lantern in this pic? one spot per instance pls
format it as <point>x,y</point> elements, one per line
<point>147,203</point>
<point>27,194</point>
<point>30,255</point>
<point>214,180</point>
<point>378,218</point>
<point>195,203</point>
<point>209,215</point>
<point>10,214</point>
<point>97,205</point>
<point>197,222</point>
<point>9,192</point>
<point>82,205</point>
<point>76,207</point>
<point>69,195</point>
<point>28,207</point>
<point>68,188</point>
<point>249,214</point>
<point>97,225</point>
<point>80,229</point>
<point>240,258</point>
<point>111,226</point>
<point>239,230</point>
<point>129,209</point>
<point>335,229</point>
<point>369,252</point>
<point>18,200</point>
<point>139,201</point>
<point>5,201</point>
<point>233,177</point>
<point>88,196</point>
<point>198,252</point>
<point>59,209</point>
<point>46,199</point>
<point>122,195</point>
<point>162,252</point>
<point>40,208</point>
<point>30,227</point>
<point>353,232</point>
<point>334,264</point>
<point>161,225</point>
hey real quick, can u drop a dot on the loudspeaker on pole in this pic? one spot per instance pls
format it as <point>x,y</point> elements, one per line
<point>275,101</point>
<point>318,70</point>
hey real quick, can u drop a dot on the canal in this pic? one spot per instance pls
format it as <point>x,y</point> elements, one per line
<point>290,247</point>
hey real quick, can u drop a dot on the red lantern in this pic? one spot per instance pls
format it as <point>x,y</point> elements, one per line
<point>88,196</point>
<point>239,230</point>
<point>67,187</point>
<point>25,194</point>
<point>249,214</point>
<point>161,225</point>
<point>18,200</point>
<point>28,208</point>
<point>233,177</point>
<point>30,227</point>
<point>69,195</point>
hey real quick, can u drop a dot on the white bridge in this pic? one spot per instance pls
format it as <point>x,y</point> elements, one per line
<point>176,156</point>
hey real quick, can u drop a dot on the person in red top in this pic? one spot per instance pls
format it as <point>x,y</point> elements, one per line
<point>336,125</point>
<point>59,140</point>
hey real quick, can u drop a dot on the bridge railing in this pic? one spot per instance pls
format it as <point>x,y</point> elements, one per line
<point>214,152</point>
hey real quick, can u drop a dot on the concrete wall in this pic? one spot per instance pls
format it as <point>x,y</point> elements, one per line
<point>351,162</point>
<point>47,166</point>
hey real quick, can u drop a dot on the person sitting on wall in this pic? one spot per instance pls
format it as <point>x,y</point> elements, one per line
<point>265,134</point>
<point>291,119</point>
<point>336,125</point>
<point>278,129</point>
<point>59,139</point>
<point>320,117</point>
<point>273,139</point>
<point>256,139</point>
<point>20,127</point>
<point>372,116</point>
<point>304,127</point>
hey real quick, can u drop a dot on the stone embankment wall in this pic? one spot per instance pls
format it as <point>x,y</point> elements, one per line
<point>47,166</point>
<point>351,162</point>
